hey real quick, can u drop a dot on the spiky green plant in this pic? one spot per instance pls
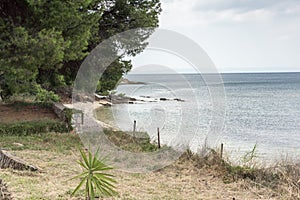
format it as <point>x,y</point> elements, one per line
<point>250,155</point>
<point>94,177</point>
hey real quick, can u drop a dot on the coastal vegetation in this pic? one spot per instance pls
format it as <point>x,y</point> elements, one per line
<point>192,176</point>
<point>202,175</point>
<point>43,43</point>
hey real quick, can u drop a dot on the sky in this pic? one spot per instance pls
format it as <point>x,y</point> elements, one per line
<point>238,35</point>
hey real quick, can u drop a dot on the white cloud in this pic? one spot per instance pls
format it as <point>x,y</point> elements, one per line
<point>194,12</point>
<point>239,32</point>
<point>243,5</point>
<point>231,15</point>
<point>284,37</point>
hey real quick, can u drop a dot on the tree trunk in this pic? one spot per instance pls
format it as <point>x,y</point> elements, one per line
<point>9,161</point>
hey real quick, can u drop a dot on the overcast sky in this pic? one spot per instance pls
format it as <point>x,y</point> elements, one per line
<point>240,35</point>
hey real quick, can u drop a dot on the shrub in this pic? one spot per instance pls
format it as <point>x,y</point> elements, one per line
<point>33,127</point>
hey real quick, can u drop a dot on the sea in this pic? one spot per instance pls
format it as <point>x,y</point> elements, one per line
<point>254,114</point>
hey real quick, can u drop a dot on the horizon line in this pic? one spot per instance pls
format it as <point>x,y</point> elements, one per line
<point>224,72</point>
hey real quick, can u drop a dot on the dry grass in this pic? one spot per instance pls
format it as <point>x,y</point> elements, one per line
<point>182,180</point>
<point>290,177</point>
<point>190,177</point>
<point>50,183</point>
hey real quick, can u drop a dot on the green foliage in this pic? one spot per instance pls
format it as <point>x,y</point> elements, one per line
<point>112,75</point>
<point>43,95</point>
<point>71,19</point>
<point>123,15</point>
<point>25,56</point>
<point>238,172</point>
<point>250,155</point>
<point>42,43</point>
<point>68,113</point>
<point>23,104</point>
<point>32,127</point>
<point>95,178</point>
<point>247,170</point>
<point>121,95</point>
<point>128,142</point>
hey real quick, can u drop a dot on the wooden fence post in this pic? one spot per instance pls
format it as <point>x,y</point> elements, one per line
<point>134,128</point>
<point>222,149</point>
<point>158,138</point>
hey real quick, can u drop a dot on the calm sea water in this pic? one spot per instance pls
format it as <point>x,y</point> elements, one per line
<point>258,108</point>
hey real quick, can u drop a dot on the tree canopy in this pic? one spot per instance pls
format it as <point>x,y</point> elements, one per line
<point>43,42</point>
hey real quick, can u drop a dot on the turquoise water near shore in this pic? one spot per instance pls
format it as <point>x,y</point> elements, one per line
<point>260,108</point>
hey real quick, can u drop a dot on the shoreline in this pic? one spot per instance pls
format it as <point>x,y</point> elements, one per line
<point>230,151</point>
<point>193,176</point>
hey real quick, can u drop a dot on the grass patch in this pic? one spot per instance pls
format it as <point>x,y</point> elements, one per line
<point>50,183</point>
<point>33,127</point>
<point>56,142</point>
<point>230,173</point>
<point>262,176</point>
<point>24,104</point>
<point>128,142</point>
<point>56,154</point>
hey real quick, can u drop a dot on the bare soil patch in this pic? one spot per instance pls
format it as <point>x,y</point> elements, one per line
<point>11,113</point>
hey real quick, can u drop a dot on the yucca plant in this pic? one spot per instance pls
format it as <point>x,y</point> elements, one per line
<point>95,178</point>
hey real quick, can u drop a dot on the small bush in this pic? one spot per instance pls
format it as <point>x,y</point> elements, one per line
<point>68,114</point>
<point>23,104</point>
<point>33,127</point>
<point>43,95</point>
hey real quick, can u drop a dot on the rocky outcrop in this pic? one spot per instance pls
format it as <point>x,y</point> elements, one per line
<point>9,161</point>
<point>122,99</point>
<point>64,114</point>
<point>125,81</point>
<point>166,99</point>
<point>119,99</point>
<point>59,110</point>
<point>4,194</point>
